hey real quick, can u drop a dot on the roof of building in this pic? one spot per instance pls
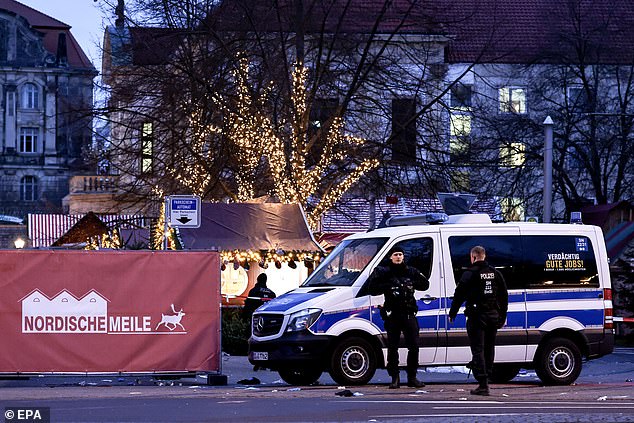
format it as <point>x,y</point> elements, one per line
<point>479,31</point>
<point>354,214</point>
<point>50,28</point>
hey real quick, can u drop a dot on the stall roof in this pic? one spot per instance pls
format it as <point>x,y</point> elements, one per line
<point>88,226</point>
<point>250,226</point>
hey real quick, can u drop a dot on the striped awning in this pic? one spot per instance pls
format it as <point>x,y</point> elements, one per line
<point>45,229</point>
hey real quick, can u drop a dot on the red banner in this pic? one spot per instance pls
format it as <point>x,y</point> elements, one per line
<point>109,311</point>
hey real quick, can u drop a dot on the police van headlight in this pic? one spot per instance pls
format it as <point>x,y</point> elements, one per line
<point>302,319</point>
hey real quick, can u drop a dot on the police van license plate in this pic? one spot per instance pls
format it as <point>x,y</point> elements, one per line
<point>258,356</point>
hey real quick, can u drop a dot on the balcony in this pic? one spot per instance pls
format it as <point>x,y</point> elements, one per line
<point>91,184</point>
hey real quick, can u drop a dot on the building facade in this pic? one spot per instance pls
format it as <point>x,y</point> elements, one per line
<point>46,91</point>
<point>453,95</point>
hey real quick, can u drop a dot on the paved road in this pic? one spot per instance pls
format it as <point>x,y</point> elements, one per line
<point>604,392</point>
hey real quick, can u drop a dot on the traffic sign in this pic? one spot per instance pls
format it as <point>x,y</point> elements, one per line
<point>183,211</point>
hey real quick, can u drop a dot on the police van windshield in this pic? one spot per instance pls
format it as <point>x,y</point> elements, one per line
<point>345,263</point>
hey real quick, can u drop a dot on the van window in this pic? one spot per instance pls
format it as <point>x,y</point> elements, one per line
<point>559,261</point>
<point>503,252</point>
<point>344,264</point>
<point>418,253</point>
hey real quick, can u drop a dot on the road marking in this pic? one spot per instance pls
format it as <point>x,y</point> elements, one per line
<point>400,416</point>
<point>593,406</point>
<point>475,403</point>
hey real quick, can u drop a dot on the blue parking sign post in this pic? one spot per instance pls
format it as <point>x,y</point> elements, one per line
<point>183,211</point>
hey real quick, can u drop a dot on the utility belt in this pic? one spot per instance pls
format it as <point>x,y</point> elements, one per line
<point>385,314</point>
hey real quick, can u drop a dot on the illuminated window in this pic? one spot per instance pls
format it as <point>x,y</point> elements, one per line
<point>459,136</point>
<point>30,96</point>
<point>512,100</point>
<point>28,140</point>
<point>512,209</point>
<point>513,154</point>
<point>28,188</point>
<point>146,147</point>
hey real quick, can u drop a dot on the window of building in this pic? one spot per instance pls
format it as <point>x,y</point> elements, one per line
<point>11,103</point>
<point>30,96</point>
<point>512,209</point>
<point>459,137</point>
<point>322,113</point>
<point>574,156</point>
<point>147,141</point>
<point>460,181</point>
<point>461,97</point>
<point>577,98</point>
<point>28,188</point>
<point>404,130</point>
<point>28,140</point>
<point>4,40</point>
<point>512,154</point>
<point>512,100</point>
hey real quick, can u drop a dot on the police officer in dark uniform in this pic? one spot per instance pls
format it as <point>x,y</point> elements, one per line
<point>397,283</point>
<point>484,290</point>
<point>257,296</point>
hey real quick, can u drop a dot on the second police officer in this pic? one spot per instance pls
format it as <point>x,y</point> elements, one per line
<point>483,289</point>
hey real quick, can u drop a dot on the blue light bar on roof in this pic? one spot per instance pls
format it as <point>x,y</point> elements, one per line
<point>417,219</point>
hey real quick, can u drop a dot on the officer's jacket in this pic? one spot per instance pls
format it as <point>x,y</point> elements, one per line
<point>397,283</point>
<point>252,302</point>
<point>483,289</point>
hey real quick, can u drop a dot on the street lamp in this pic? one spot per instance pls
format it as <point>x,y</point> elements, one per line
<point>548,168</point>
<point>19,243</point>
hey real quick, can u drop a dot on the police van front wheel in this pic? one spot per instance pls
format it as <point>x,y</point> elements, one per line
<point>558,362</point>
<point>300,375</point>
<point>353,362</point>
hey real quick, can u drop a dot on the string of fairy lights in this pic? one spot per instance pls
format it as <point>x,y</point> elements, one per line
<point>294,182</point>
<point>264,258</point>
<point>258,139</point>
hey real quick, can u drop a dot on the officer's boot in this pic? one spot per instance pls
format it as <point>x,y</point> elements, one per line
<point>396,381</point>
<point>413,382</point>
<point>482,389</point>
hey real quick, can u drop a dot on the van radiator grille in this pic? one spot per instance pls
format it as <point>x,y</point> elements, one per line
<point>267,324</point>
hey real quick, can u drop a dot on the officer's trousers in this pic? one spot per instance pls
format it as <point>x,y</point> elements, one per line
<point>481,331</point>
<point>408,325</point>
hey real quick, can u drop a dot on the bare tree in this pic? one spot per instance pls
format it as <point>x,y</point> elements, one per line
<point>581,77</point>
<point>373,69</point>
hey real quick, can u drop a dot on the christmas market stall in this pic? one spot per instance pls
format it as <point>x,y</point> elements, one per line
<point>255,238</point>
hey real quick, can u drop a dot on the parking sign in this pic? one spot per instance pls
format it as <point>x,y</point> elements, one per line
<point>184,211</point>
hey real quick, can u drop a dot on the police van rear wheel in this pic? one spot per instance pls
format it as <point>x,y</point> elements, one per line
<point>300,375</point>
<point>558,362</point>
<point>353,362</point>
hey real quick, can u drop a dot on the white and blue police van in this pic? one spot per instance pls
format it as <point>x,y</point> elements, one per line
<point>560,302</point>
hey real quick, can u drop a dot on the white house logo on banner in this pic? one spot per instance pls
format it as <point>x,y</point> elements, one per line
<point>65,313</point>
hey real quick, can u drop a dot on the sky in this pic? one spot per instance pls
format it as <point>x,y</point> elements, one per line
<point>86,19</point>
